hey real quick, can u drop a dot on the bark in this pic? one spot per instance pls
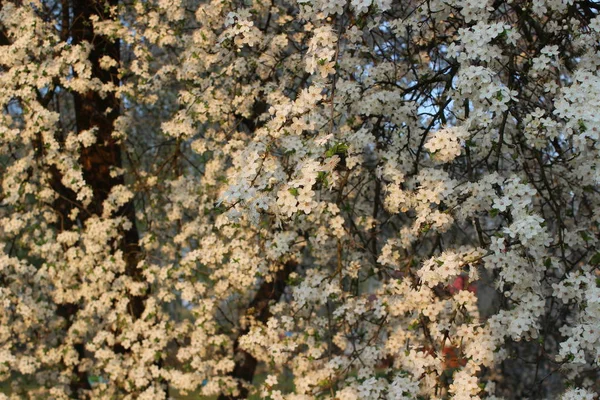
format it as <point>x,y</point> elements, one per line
<point>95,112</point>
<point>245,363</point>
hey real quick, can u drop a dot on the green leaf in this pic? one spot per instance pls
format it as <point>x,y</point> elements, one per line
<point>584,235</point>
<point>340,148</point>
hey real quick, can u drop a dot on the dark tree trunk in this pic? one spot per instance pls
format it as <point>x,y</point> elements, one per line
<point>245,363</point>
<point>99,113</point>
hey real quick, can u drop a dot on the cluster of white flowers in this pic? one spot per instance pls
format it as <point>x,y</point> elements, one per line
<point>321,51</point>
<point>445,144</point>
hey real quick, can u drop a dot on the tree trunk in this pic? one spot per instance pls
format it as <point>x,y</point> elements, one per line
<point>245,363</point>
<point>95,112</point>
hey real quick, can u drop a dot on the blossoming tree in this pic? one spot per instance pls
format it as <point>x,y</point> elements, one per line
<point>299,199</point>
